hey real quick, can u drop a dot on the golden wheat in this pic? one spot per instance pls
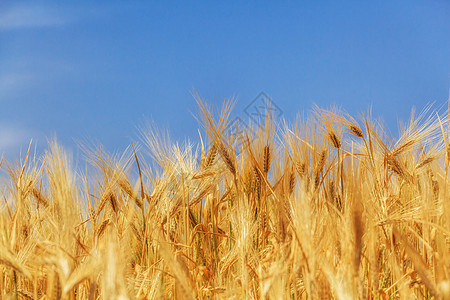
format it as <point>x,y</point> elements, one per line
<point>274,222</point>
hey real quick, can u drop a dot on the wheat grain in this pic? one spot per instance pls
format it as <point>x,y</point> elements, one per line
<point>266,159</point>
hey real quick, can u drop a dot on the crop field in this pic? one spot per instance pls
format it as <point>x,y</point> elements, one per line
<point>329,206</point>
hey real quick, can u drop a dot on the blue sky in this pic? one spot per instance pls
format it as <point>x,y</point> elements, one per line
<point>97,70</point>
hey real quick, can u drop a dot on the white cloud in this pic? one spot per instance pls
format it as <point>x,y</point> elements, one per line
<point>11,137</point>
<point>15,140</point>
<point>13,82</point>
<point>21,75</point>
<point>29,16</point>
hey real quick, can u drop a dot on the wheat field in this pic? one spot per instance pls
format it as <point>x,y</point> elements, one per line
<point>328,207</point>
